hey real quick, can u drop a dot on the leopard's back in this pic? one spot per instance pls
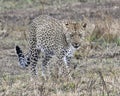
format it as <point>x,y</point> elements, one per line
<point>46,33</point>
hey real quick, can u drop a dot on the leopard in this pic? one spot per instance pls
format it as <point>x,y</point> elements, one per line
<point>52,37</point>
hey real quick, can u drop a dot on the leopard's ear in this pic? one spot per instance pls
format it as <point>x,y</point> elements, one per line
<point>67,23</point>
<point>84,24</point>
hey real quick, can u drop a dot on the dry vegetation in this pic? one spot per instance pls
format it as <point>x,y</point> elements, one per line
<point>95,69</point>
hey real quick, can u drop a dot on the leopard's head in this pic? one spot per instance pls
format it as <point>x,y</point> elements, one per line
<point>75,33</point>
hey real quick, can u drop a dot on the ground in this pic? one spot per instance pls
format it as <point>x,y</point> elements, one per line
<point>95,72</point>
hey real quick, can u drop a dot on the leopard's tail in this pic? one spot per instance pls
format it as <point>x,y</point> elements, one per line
<point>23,60</point>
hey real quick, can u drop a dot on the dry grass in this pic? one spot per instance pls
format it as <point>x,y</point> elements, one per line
<point>90,78</point>
<point>106,29</point>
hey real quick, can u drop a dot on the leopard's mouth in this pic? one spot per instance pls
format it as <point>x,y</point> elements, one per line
<point>76,45</point>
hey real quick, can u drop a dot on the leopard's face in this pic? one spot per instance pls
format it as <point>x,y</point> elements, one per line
<point>75,33</point>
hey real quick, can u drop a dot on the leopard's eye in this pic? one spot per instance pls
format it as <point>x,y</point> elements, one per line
<point>80,35</point>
